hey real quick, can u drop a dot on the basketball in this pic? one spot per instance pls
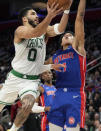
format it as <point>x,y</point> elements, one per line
<point>62,3</point>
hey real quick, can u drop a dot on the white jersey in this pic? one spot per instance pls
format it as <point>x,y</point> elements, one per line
<point>29,56</point>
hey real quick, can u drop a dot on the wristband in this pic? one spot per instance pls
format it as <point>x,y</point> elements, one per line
<point>66,12</point>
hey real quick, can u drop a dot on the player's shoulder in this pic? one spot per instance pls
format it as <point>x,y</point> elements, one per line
<point>19,28</point>
<point>57,52</point>
<point>41,88</point>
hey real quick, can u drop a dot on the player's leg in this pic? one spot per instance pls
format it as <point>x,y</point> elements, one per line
<point>56,116</point>
<point>53,127</point>
<point>28,96</point>
<point>23,113</point>
<point>75,112</point>
<point>8,92</point>
<point>1,107</point>
<point>7,96</point>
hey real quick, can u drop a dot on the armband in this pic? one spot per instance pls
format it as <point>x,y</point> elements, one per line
<point>56,29</point>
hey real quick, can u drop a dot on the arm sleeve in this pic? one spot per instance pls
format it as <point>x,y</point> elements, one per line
<point>37,109</point>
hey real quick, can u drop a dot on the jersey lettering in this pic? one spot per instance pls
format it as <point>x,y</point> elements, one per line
<point>63,57</point>
<point>36,43</point>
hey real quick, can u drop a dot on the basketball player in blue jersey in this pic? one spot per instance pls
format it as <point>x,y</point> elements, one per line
<point>69,103</point>
<point>47,92</point>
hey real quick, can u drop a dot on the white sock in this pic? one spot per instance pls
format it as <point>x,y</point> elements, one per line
<point>14,128</point>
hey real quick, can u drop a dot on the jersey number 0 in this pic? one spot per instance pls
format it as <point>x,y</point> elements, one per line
<point>32,54</point>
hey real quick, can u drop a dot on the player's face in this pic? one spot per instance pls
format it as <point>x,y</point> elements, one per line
<point>47,76</point>
<point>67,39</point>
<point>32,18</point>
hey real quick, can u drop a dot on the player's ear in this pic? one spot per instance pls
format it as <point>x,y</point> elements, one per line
<point>24,19</point>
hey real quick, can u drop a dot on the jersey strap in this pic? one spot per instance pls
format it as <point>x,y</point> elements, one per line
<point>24,76</point>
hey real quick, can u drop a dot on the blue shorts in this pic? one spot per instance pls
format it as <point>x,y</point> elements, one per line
<point>68,108</point>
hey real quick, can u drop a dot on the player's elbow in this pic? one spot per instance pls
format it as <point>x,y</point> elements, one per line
<point>61,29</point>
<point>80,19</point>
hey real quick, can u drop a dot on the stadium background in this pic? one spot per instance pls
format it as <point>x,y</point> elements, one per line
<point>8,23</point>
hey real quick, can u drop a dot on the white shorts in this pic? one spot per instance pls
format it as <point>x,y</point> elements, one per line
<point>15,86</point>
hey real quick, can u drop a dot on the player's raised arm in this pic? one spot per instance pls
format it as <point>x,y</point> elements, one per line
<point>33,30</point>
<point>59,28</point>
<point>79,27</point>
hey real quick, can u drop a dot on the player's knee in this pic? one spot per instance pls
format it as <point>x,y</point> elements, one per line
<point>1,107</point>
<point>53,127</point>
<point>75,128</point>
<point>28,102</point>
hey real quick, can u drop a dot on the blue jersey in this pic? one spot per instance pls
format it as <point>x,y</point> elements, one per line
<point>47,97</point>
<point>68,107</point>
<point>73,76</point>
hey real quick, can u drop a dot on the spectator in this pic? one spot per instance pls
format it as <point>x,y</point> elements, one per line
<point>91,113</point>
<point>99,129</point>
<point>88,123</point>
<point>100,113</point>
<point>96,123</point>
<point>96,117</point>
<point>96,52</point>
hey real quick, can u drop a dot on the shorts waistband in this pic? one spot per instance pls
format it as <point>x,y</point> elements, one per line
<point>24,76</point>
<point>69,89</point>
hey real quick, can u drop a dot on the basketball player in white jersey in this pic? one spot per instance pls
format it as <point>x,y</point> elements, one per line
<point>30,50</point>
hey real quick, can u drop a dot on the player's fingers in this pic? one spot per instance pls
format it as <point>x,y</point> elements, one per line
<point>53,5</point>
<point>62,65</point>
<point>59,10</point>
<point>59,70</point>
<point>48,6</point>
<point>56,6</point>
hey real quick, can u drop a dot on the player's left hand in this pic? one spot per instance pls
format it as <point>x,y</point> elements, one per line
<point>58,66</point>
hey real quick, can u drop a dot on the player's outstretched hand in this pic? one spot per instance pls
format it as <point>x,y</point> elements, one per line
<point>58,66</point>
<point>53,11</point>
<point>47,108</point>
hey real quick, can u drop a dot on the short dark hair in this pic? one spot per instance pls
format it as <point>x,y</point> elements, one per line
<point>23,12</point>
<point>60,40</point>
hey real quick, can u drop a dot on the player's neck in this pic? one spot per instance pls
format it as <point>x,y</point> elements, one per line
<point>28,25</point>
<point>48,83</point>
<point>65,47</point>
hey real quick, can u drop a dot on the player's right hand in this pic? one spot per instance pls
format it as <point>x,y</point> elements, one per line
<point>58,66</point>
<point>53,11</point>
<point>47,108</point>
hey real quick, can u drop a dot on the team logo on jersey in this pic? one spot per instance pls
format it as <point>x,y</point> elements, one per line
<point>35,42</point>
<point>63,57</point>
<point>24,76</point>
<point>71,120</point>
